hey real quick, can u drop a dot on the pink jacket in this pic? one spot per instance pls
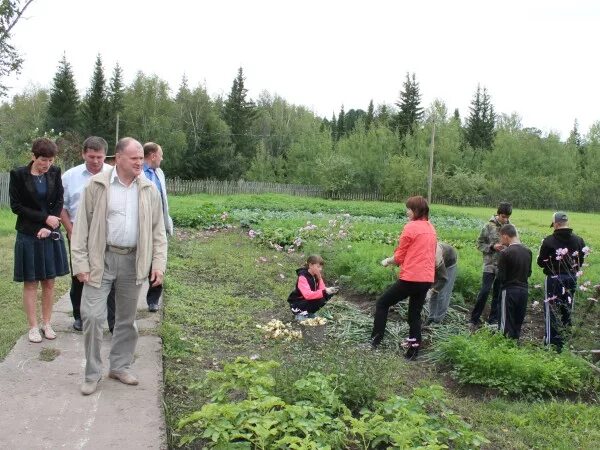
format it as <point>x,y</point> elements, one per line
<point>415,253</point>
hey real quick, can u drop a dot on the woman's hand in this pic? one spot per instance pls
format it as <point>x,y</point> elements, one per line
<point>53,222</point>
<point>43,233</point>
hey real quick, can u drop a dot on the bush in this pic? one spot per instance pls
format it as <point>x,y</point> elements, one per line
<point>491,360</point>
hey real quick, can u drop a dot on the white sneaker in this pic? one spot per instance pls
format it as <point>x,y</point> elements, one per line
<point>48,331</point>
<point>34,335</point>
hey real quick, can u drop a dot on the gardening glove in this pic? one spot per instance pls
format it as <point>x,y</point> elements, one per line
<point>332,290</point>
<point>387,261</point>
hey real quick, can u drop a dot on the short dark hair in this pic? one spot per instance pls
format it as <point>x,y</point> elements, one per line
<point>509,230</point>
<point>504,208</point>
<point>150,148</point>
<point>418,205</point>
<point>95,143</point>
<point>123,143</point>
<point>44,147</point>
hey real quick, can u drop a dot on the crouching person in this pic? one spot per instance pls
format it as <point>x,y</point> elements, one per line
<point>514,268</point>
<point>439,295</point>
<point>310,293</point>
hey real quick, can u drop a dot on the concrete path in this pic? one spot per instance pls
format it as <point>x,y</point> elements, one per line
<point>41,406</point>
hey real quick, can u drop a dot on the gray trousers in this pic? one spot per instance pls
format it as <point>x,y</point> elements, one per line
<point>119,269</point>
<point>439,302</point>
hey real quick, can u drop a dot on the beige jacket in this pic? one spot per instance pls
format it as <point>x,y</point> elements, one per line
<point>88,242</point>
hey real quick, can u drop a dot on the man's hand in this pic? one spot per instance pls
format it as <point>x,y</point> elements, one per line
<point>53,221</point>
<point>156,277</point>
<point>83,277</point>
<point>499,247</point>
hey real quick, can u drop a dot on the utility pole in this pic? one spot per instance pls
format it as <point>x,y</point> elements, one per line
<point>430,181</point>
<point>117,128</point>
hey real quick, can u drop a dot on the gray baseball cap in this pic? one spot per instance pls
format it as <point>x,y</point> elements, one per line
<point>559,216</point>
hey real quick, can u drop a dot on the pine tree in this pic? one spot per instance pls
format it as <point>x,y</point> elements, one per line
<point>480,126</point>
<point>62,113</point>
<point>409,103</point>
<point>333,126</point>
<point>370,116</point>
<point>576,141</point>
<point>95,106</point>
<point>116,94</point>
<point>239,113</point>
<point>456,115</point>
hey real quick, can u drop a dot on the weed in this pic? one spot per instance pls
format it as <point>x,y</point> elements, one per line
<point>49,354</point>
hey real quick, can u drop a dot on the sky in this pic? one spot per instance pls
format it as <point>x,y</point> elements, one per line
<point>538,58</point>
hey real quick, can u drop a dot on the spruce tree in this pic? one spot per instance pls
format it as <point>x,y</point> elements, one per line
<point>370,116</point>
<point>341,124</point>
<point>480,125</point>
<point>95,106</point>
<point>409,103</point>
<point>116,94</point>
<point>62,113</point>
<point>239,113</point>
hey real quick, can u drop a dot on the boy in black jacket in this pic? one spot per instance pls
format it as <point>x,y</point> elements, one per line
<point>561,256</point>
<point>514,268</point>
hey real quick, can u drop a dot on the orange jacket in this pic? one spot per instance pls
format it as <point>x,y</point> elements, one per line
<point>415,253</point>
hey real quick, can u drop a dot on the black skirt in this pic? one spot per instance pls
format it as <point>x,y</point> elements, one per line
<point>40,259</point>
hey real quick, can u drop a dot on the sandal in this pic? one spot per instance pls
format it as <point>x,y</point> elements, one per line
<point>48,331</point>
<point>34,335</point>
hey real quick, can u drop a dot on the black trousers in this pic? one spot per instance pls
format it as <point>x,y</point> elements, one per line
<point>488,283</point>
<point>154,293</point>
<point>560,296</point>
<point>310,306</point>
<point>416,292</point>
<point>513,306</point>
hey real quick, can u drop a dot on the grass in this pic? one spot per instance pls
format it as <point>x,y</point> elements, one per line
<point>220,285</point>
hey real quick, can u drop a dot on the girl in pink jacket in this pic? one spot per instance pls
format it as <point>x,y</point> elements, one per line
<point>415,255</point>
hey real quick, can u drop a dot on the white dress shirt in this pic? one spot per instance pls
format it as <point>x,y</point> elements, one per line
<point>74,181</point>
<point>122,212</point>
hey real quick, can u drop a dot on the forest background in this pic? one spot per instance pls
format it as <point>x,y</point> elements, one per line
<point>480,158</point>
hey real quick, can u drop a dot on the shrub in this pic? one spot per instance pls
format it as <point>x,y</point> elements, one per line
<point>489,359</point>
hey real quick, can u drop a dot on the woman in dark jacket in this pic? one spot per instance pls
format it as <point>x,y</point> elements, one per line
<point>36,197</point>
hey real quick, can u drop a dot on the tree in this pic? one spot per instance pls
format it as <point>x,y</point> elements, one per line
<point>576,141</point>
<point>341,124</point>
<point>64,100</point>
<point>95,105</point>
<point>239,113</point>
<point>370,116</point>
<point>116,94</point>
<point>409,103</point>
<point>10,60</point>
<point>479,129</point>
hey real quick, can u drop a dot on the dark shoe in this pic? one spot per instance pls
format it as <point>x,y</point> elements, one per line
<point>123,377</point>
<point>153,307</point>
<point>412,353</point>
<point>78,325</point>
<point>89,387</point>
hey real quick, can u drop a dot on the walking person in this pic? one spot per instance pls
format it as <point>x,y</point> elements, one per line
<point>36,197</point>
<point>514,270</point>
<point>446,259</point>
<point>153,156</point>
<point>490,246</point>
<point>561,257</point>
<point>118,241</point>
<point>415,255</point>
<point>74,180</point>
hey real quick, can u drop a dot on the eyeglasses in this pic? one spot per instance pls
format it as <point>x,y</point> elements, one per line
<point>55,235</point>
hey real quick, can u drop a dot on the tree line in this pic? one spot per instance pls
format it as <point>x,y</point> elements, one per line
<point>385,148</point>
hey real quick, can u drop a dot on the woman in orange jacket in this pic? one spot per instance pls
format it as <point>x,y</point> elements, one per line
<point>415,255</point>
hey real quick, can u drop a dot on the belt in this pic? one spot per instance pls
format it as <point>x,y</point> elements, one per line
<point>120,250</point>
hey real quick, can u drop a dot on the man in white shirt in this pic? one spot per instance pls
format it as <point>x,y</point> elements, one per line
<point>74,180</point>
<point>118,238</point>
<point>153,156</point>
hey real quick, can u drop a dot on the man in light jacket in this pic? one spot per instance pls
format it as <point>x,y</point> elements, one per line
<point>118,237</point>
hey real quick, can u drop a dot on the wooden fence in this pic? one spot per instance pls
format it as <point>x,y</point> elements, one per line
<point>4,200</point>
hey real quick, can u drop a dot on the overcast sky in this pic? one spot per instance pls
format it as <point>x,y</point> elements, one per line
<point>536,57</point>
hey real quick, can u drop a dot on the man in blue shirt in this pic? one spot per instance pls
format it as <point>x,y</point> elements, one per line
<point>153,155</point>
